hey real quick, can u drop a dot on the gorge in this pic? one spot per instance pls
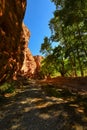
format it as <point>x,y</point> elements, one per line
<point>15,56</point>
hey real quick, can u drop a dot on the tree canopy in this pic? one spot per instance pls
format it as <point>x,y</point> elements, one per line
<point>69,29</point>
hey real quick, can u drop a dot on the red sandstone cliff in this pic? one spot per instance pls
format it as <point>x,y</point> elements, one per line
<point>38,60</point>
<point>15,56</point>
<point>31,65</point>
<point>11,40</point>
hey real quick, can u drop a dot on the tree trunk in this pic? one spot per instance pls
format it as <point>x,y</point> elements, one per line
<point>80,65</point>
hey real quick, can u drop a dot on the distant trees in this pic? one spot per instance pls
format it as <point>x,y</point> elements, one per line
<point>69,29</point>
<point>46,47</point>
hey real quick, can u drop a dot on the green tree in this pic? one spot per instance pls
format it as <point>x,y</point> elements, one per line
<point>69,28</point>
<point>46,47</point>
<point>48,67</point>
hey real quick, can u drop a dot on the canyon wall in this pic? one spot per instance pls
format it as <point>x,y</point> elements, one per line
<point>11,38</point>
<point>15,56</point>
<point>31,64</point>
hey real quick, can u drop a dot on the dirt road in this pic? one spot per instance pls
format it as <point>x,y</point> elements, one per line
<point>33,109</point>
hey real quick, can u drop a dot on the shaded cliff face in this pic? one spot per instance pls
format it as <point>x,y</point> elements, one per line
<point>11,37</point>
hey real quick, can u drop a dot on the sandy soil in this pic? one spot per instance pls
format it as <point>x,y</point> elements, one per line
<point>33,108</point>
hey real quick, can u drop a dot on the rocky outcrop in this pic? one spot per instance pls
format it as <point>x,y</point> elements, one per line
<point>15,56</point>
<point>29,65</point>
<point>11,38</point>
<point>38,60</point>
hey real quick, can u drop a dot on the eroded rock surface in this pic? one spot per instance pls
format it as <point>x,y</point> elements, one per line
<point>38,60</point>
<point>11,37</point>
<point>15,56</point>
<point>31,64</point>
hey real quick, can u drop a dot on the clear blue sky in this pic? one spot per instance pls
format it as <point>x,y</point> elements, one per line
<point>37,17</point>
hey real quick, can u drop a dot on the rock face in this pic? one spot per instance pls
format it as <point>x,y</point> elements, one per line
<point>38,60</point>
<point>15,56</point>
<point>11,38</point>
<point>31,64</point>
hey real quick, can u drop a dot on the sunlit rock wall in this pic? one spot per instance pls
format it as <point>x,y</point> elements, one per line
<point>29,64</point>
<point>38,60</point>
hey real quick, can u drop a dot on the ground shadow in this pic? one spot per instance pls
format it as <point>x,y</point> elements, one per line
<point>33,108</point>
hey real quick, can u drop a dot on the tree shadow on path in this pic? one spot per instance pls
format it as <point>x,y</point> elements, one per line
<point>34,109</point>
